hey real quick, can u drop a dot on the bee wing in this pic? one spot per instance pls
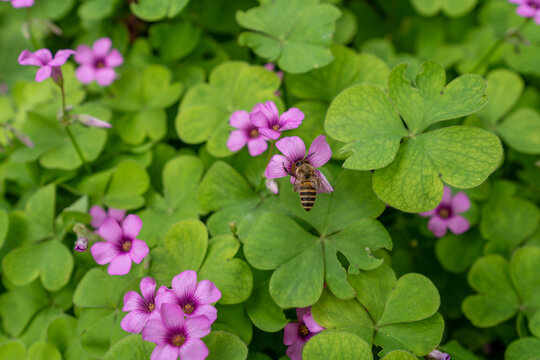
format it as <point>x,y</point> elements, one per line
<point>296,184</point>
<point>324,185</point>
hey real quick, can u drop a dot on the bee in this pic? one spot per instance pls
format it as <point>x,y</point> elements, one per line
<point>306,182</point>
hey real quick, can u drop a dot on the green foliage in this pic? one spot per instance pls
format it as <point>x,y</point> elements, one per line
<point>150,10</point>
<point>453,8</point>
<point>337,345</point>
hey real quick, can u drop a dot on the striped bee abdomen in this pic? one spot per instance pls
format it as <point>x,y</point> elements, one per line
<point>307,195</point>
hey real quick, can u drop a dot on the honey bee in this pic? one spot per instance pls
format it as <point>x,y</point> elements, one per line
<point>307,182</point>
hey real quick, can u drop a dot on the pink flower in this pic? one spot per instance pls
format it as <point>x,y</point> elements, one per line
<point>295,335</point>
<point>98,62</point>
<point>91,121</point>
<point>81,244</point>
<point>99,215</point>
<point>294,152</point>
<point>247,133</point>
<point>21,3</point>
<point>438,355</point>
<point>177,337</point>
<point>528,9</point>
<point>121,246</point>
<point>445,215</point>
<point>193,298</point>
<point>48,66</point>
<point>266,117</point>
<point>141,308</point>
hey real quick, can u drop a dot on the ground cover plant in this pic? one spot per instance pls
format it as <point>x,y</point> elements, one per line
<point>272,179</point>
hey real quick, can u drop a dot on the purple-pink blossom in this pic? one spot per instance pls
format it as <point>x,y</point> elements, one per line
<point>438,355</point>
<point>21,3</point>
<point>48,66</point>
<point>98,62</point>
<point>528,9</point>
<point>246,133</point>
<point>141,308</point>
<point>296,334</point>
<point>270,124</point>
<point>121,246</point>
<point>81,244</point>
<point>294,152</point>
<point>193,298</point>
<point>177,336</point>
<point>99,215</point>
<point>446,214</point>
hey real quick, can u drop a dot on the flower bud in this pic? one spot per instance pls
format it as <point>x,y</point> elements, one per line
<point>81,244</point>
<point>272,186</point>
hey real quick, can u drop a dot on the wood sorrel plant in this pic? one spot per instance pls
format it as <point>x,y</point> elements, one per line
<point>148,208</point>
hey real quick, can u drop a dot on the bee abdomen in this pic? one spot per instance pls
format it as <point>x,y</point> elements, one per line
<point>307,198</point>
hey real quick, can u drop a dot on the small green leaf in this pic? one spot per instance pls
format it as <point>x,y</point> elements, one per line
<point>19,305</point>
<point>225,346</point>
<point>534,324</point>
<point>129,181</point>
<point>504,87</point>
<point>521,131</point>
<point>399,355</point>
<point>336,345</point>
<point>295,34</point>
<point>153,10</point>
<point>43,351</point>
<point>12,350</point>
<point>164,37</point>
<point>4,226</point>
<point>40,212</point>
<point>131,347</point>
<point>457,252</point>
<point>523,349</point>
<point>261,308</point>
<point>452,8</point>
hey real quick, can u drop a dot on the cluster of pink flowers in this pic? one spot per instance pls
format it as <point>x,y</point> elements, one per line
<point>446,214</point>
<point>259,126</point>
<point>174,319</point>
<point>528,9</point>
<point>296,334</point>
<point>21,3</point>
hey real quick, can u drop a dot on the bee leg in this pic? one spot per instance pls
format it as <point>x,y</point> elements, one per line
<point>287,171</point>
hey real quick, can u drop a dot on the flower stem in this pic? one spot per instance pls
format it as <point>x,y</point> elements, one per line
<point>68,130</point>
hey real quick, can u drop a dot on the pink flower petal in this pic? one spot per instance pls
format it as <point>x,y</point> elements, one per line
<point>164,295</point>
<point>132,301</point>
<point>85,74</point>
<point>460,203</point>
<point>172,316</point>
<point>295,350</point>
<point>311,324</point>
<point>43,73</point>
<point>101,47</point>
<point>291,119</point>
<point>61,57</point>
<point>134,321</point>
<point>447,196</point>
<point>44,56</point>
<point>120,265</point>
<point>260,120</point>
<point>319,152</point>
<point>155,331</point>
<point>292,147</point>
<point>325,186</point>
<point>103,252</point>
<point>269,133</point>
<point>165,352</point>
<point>185,283</point>
<point>269,66</point>
<point>290,333</point>
<point>194,349</point>
<point>458,224</point>
<point>114,59</point>
<point>131,226</point>
<point>537,18</point>
<point>207,292</point>
<point>275,167</point>
<point>428,213</point>
<point>257,146</point>
<point>240,119</point>
<point>84,55</point>
<point>22,3</point>
<point>237,140</point>
<point>148,287</point>
<point>139,250</point>
<point>28,58</point>
<point>111,231</point>
<point>98,215</point>
<point>105,76</point>
<point>526,11</point>
<point>198,326</point>
<point>208,311</point>
<point>117,214</point>
<point>301,312</point>
<point>270,110</point>
<point>437,226</point>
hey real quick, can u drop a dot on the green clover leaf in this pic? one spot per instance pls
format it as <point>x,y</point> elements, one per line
<point>295,34</point>
<point>153,10</point>
<point>205,110</point>
<point>130,347</point>
<point>336,345</point>
<point>504,288</point>
<point>452,8</point>
<point>225,346</point>
<point>523,349</point>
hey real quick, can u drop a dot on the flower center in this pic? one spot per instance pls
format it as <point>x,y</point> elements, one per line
<point>151,307</point>
<point>189,308</point>
<point>126,246</point>
<point>254,133</point>
<point>444,213</point>
<point>100,64</point>
<point>303,330</point>
<point>534,4</point>
<point>178,340</point>
<point>275,127</point>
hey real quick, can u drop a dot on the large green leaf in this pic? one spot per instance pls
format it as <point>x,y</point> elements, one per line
<point>131,347</point>
<point>205,110</point>
<point>336,345</point>
<point>128,182</point>
<point>225,346</point>
<point>295,34</point>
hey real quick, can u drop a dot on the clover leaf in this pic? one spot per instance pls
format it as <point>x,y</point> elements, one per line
<point>395,315</point>
<point>261,308</point>
<point>336,345</point>
<point>225,346</point>
<point>153,10</point>
<point>130,347</point>
<point>523,349</point>
<point>295,34</point>
<point>411,164</point>
<point>504,288</point>
<point>205,109</point>
<point>452,8</point>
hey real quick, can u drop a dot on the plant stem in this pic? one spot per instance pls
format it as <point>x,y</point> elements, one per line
<point>68,130</point>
